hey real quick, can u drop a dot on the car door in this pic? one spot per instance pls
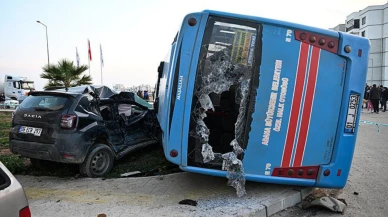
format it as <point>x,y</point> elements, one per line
<point>112,124</point>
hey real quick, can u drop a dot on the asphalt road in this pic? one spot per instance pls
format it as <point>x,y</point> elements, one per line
<point>368,176</point>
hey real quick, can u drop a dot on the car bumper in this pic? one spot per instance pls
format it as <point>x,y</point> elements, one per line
<point>43,151</point>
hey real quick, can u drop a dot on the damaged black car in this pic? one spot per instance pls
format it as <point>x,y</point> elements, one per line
<point>87,125</point>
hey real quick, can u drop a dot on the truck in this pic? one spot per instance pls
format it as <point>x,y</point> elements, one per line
<point>16,87</point>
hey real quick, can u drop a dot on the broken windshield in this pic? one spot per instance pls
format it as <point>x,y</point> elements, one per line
<point>223,102</point>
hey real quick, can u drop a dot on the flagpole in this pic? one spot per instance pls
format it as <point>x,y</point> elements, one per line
<point>101,62</point>
<point>77,56</point>
<point>89,54</point>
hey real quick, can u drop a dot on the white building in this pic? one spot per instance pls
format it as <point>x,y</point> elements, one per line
<point>372,23</point>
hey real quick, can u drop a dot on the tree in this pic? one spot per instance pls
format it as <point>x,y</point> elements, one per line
<point>65,74</point>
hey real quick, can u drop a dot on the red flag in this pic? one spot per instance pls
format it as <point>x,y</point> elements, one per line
<point>90,51</point>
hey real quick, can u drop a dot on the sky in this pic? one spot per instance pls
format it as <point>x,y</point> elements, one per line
<point>135,35</point>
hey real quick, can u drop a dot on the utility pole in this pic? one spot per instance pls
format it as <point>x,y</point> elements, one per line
<point>48,55</point>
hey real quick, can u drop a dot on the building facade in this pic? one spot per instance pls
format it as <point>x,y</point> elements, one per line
<point>372,23</point>
<point>339,28</point>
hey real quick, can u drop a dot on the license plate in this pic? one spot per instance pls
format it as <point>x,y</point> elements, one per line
<point>352,113</point>
<point>30,130</point>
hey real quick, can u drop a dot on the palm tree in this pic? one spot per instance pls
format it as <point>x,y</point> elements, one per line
<point>65,74</point>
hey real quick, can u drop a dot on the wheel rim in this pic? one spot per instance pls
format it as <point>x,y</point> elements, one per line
<point>100,163</point>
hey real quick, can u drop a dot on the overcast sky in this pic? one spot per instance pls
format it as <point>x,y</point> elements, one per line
<point>135,35</point>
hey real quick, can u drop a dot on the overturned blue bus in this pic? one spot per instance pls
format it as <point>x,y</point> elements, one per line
<point>257,99</point>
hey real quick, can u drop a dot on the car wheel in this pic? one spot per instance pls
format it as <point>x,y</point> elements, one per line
<point>98,162</point>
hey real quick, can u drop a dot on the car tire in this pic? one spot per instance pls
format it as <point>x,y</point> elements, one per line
<point>98,162</point>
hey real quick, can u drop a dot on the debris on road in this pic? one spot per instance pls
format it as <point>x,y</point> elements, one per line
<point>130,174</point>
<point>343,201</point>
<point>327,198</point>
<point>330,203</point>
<point>323,192</point>
<point>356,193</point>
<point>188,202</point>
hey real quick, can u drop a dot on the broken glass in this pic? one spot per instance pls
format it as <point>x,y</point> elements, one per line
<point>220,79</point>
<point>223,100</point>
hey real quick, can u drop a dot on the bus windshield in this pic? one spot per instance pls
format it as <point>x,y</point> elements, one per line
<point>28,85</point>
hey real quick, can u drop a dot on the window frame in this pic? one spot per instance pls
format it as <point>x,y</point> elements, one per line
<point>7,180</point>
<point>16,85</point>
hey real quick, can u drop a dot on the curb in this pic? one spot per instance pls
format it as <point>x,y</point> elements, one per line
<point>288,199</point>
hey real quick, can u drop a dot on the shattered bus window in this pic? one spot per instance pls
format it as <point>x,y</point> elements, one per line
<point>221,103</point>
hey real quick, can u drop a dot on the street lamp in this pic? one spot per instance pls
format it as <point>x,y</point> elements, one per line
<point>48,56</point>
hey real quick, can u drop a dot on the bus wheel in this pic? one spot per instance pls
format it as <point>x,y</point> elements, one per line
<point>98,162</point>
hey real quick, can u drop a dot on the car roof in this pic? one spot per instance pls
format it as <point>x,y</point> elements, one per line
<point>76,91</point>
<point>104,93</point>
<point>99,91</point>
<point>54,93</point>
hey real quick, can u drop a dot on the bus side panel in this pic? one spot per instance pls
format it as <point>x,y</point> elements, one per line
<point>265,146</point>
<point>179,84</point>
<point>190,86</point>
<point>356,71</point>
<point>164,94</point>
<point>162,88</point>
